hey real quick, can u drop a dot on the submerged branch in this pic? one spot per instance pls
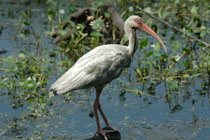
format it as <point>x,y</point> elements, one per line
<point>175,28</point>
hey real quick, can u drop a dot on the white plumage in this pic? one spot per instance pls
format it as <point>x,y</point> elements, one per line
<point>96,68</point>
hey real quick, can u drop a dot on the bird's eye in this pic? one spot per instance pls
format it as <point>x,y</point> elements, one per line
<point>137,21</point>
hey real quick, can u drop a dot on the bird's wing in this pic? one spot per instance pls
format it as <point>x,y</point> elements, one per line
<point>72,79</point>
<point>97,67</point>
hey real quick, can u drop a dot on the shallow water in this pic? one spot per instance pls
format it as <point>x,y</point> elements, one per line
<point>137,117</point>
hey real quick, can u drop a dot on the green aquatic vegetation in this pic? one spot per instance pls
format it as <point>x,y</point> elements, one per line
<point>187,56</point>
<point>25,77</point>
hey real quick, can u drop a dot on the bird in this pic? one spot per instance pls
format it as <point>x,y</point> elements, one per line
<point>101,65</point>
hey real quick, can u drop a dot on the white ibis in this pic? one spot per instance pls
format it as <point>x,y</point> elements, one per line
<point>101,65</point>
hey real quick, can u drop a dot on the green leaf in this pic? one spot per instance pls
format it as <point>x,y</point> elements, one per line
<point>203,34</point>
<point>156,53</point>
<point>81,26</point>
<point>148,10</point>
<point>186,75</point>
<point>31,99</point>
<point>136,92</point>
<point>168,97</point>
<point>172,85</point>
<point>13,68</point>
<point>194,10</point>
<point>97,25</point>
<point>177,1</point>
<point>2,85</point>
<point>107,15</point>
<point>10,59</point>
<point>21,83</point>
<point>22,55</point>
<point>26,23</point>
<point>62,32</point>
<point>96,34</point>
<point>21,35</point>
<point>138,71</point>
<point>157,46</point>
<point>143,43</point>
<point>176,45</point>
<point>149,53</point>
<point>165,14</point>
<point>30,85</point>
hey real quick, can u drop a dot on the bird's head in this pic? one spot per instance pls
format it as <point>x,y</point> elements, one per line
<point>135,22</point>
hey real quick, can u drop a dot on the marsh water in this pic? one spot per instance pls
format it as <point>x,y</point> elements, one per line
<point>138,117</point>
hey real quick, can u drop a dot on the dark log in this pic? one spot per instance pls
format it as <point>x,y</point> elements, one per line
<point>110,136</point>
<point>82,15</point>
<point>117,20</point>
<point>103,29</point>
<point>78,17</point>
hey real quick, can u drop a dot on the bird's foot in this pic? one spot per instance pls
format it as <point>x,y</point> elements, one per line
<point>101,132</point>
<point>104,132</point>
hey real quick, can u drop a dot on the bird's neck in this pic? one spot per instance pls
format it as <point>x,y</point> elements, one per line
<point>131,34</point>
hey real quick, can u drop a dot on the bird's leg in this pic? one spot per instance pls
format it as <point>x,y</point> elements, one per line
<point>102,114</point>
<point>97,106</point>
<point>105,120</point>
<point>98,91</point>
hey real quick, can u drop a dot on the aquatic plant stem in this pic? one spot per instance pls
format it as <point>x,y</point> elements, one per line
<point>175,28</point>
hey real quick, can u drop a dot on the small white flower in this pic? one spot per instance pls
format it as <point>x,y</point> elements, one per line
<point>153,45</point>
<point>61,11</point>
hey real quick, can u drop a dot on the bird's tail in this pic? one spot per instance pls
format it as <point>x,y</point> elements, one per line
<point>60,88</point>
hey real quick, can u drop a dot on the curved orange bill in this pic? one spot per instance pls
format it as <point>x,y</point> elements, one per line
<point>150,31</point>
